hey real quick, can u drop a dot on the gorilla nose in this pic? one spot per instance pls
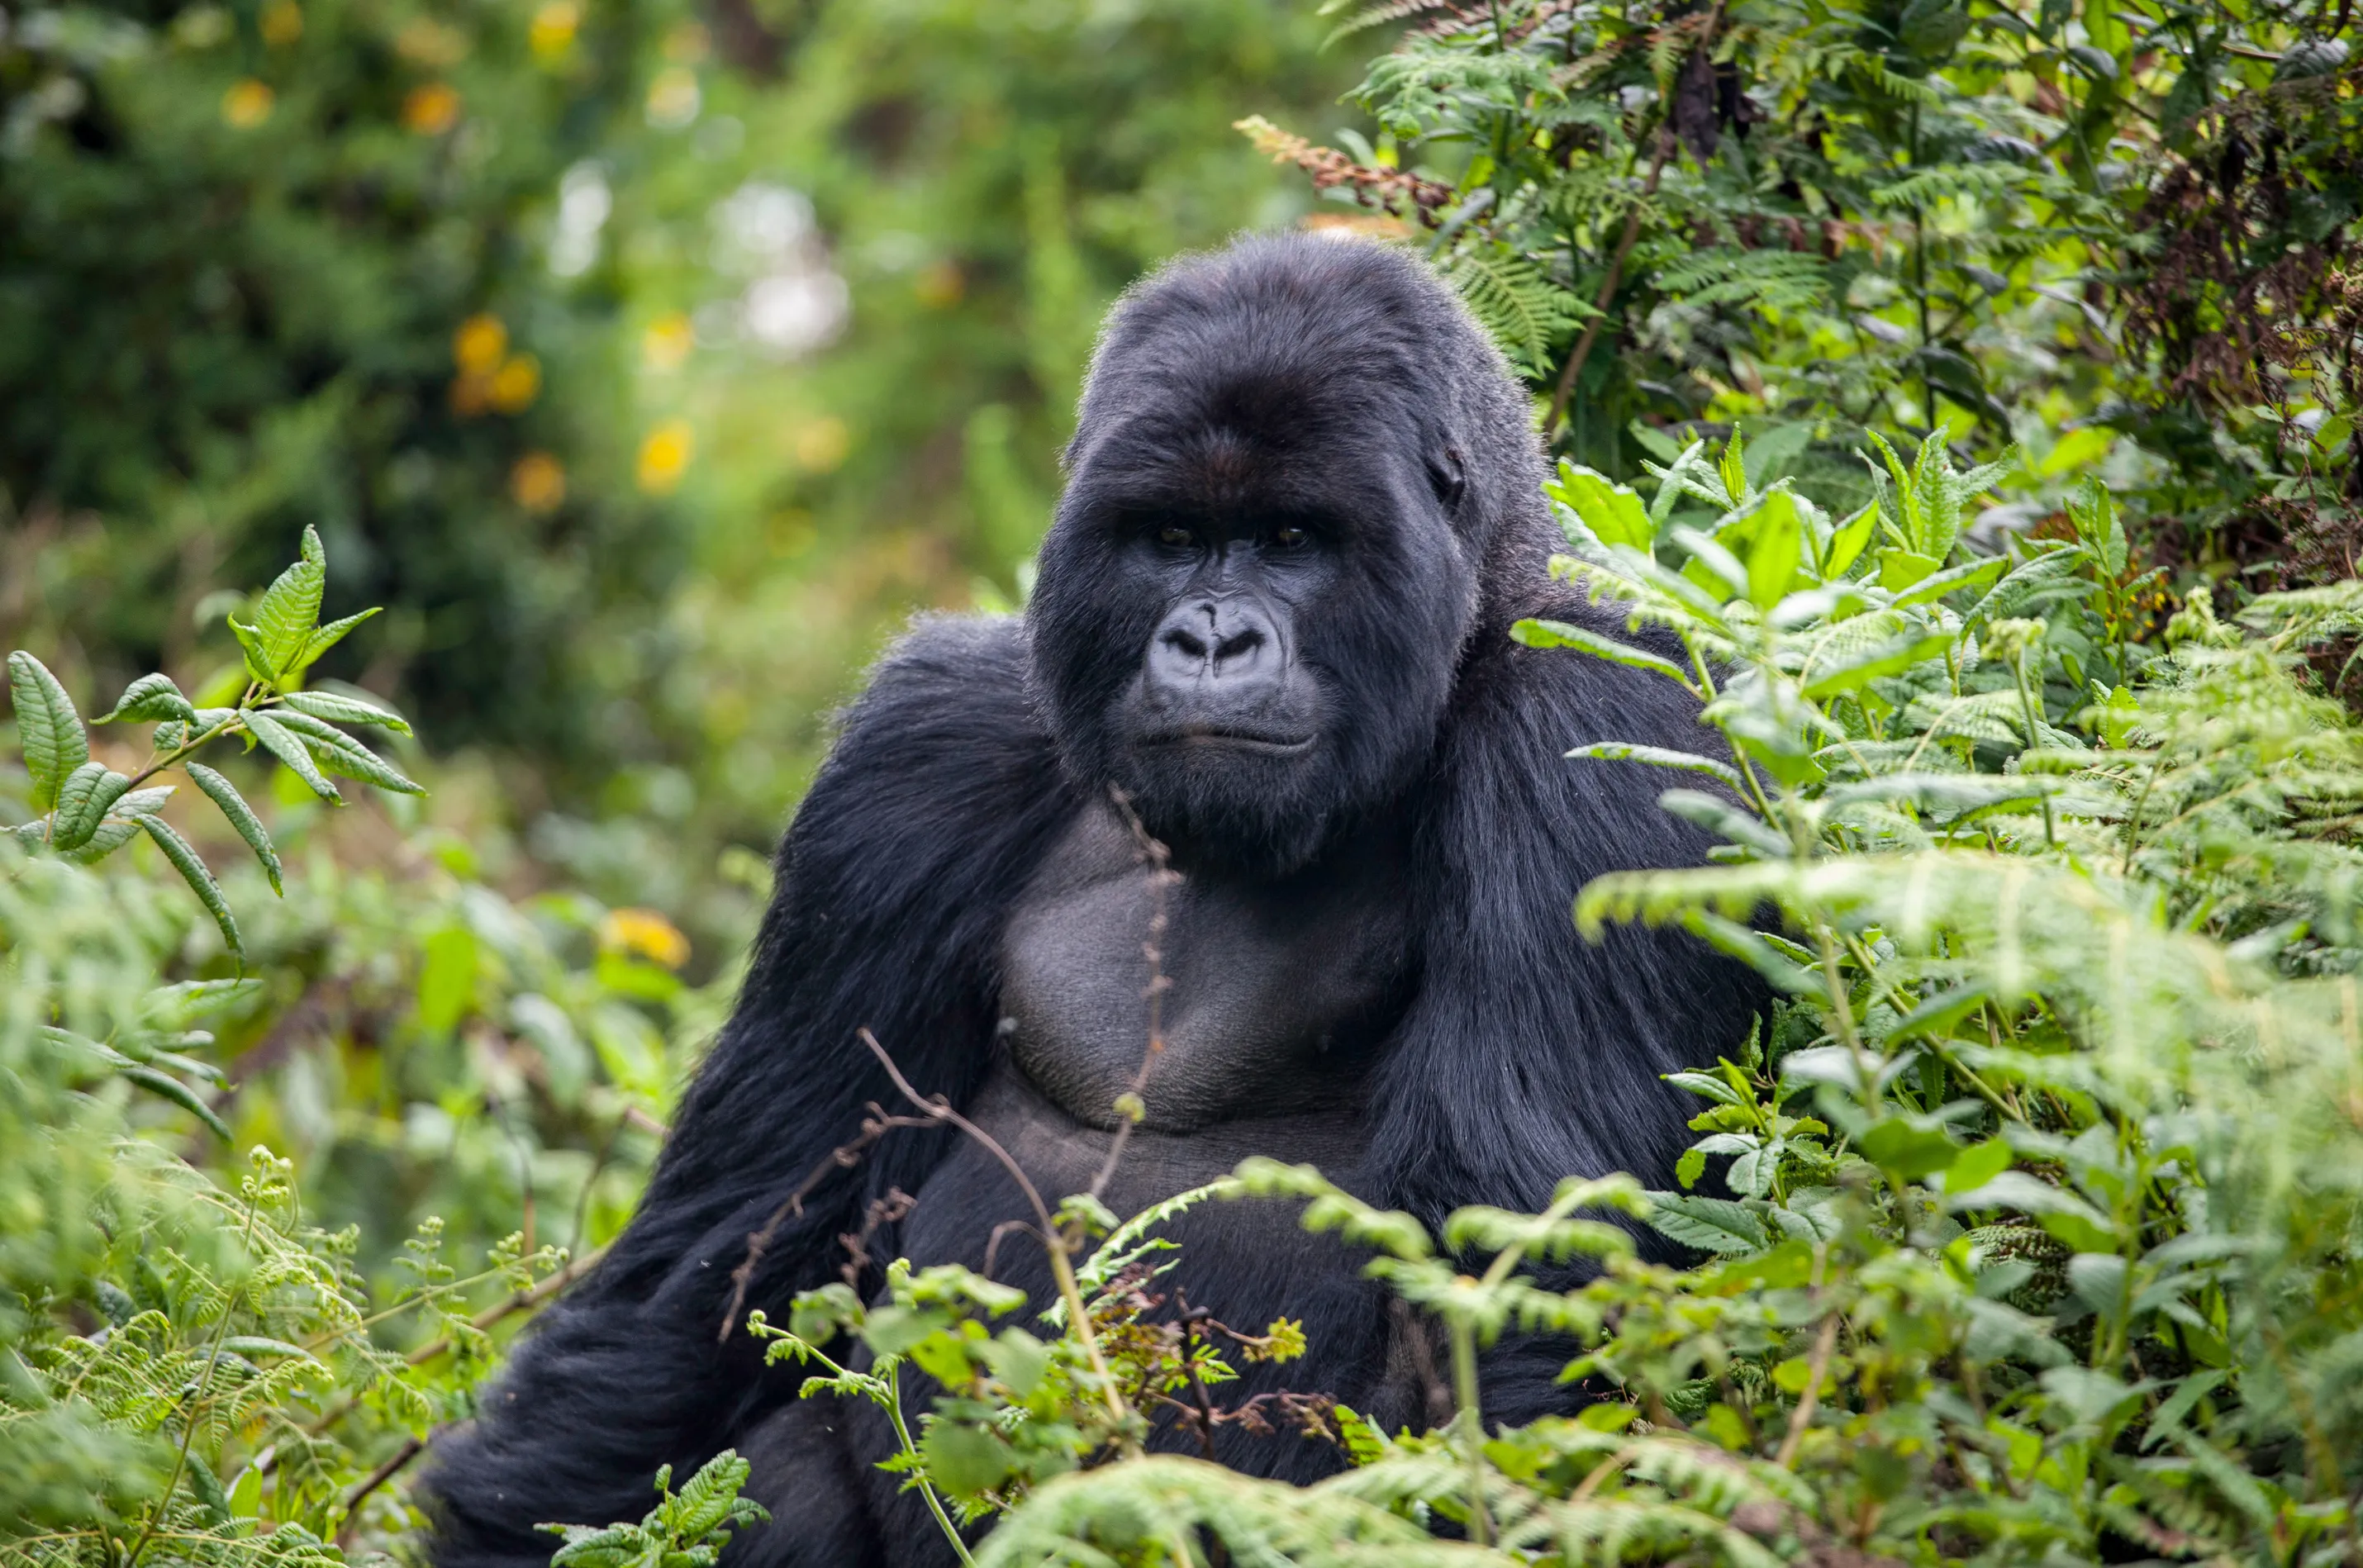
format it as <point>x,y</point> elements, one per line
<point>1224,649</point>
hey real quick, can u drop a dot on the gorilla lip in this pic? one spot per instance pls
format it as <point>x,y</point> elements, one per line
<point>1246,740</point>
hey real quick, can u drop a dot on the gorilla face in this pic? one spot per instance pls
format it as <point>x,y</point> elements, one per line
<point>1252,601</point>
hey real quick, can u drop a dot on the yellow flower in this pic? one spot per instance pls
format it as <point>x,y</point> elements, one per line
<point>940,284</point>
<point>537,483</point>
<point>432,109</point>
<point>430,42</point>
<point>664,457</point>
<point>666,342</point>
<point>644,933</point>
<point>822,445</point>
<point>479,345</point>
<point>247,103</point>
<point>552,32</point>
<point>516,384</point>
<point>282,23</point>
<point>673,97</point>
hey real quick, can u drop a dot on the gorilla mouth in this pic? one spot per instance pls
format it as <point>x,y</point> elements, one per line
<point>1230,737</point>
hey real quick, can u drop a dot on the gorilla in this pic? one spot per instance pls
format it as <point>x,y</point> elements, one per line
<point>1304,508</point>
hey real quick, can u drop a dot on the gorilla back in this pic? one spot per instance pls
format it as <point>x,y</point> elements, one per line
<point>1303,508</point>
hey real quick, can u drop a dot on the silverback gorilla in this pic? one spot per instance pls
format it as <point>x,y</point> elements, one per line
<point>1302,509</point>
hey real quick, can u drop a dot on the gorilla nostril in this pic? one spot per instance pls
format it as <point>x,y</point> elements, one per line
<point>1239,644</point>
<point>1185,642</point>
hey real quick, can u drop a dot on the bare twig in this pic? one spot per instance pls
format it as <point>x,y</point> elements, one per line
<point>844,1157</point>
<point>1161,878</point>
<point>411,1449</point>
<point>1057,1246</point>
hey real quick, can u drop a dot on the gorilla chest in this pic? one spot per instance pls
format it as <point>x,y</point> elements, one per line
<point>1266,998</point>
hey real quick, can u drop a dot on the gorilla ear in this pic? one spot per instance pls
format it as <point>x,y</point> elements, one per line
<point>1449,477</point>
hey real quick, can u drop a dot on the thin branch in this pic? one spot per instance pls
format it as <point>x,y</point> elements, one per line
<point>411,1449</point>
<point>844,1157</point>
<point>1816,1370</point>
<point>515,1302</point>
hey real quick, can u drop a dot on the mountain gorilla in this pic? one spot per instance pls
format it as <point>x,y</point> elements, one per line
<point>1302,509</point>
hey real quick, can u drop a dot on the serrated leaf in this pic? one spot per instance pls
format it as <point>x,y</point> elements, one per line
<point>1863,666</point>
<point>341,755</point>
<point>1710,1224</point>
<point>290,610</point>
<point>326,637</point>
<point>112,834</point>
<point>1934,586</point>
<point>144,802</point>
<point>83,801</point>
<point>282,743</point>
<point>1660,757</point>
<point>225,795</point>
<point>150,698</point>
<point>200,880</point>
<point>257,652</point>
<point>1612,511</point>
<point>47,727</point>
<point>343,710</point>
<point>165,1086</point>
<point>1559,634</point>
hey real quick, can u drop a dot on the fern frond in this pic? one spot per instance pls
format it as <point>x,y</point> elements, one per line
<point>1523,310</point>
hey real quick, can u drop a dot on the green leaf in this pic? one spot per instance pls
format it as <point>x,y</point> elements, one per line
<point>200,880</point>
<point>1848,542</point>
<point>1710,1224</point>
<point>343,710</point>
<point>1864,665</point>
<point>165,1086</point>
<point>1977,1165</point>
<point>1929,588</point>
<point>47,726</point>
<point>224,794</point>
<point>328,636</point>
<point>964,1461</point>
<point>447,978</point>
<point>283,743</point>
<point>1905,1147</point>
<point>290,611</point>
<point>1775,548</point>
<point>257,652</point>
<point>1659,756</point>
<point>83,801</point>
<point>1899,570</point>
<point>1559,634</point>
<point>339,753</point>
<point>1610,510</point>
<point>151,697</point>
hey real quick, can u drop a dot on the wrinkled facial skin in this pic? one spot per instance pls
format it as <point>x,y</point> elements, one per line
<point>1249,626</point>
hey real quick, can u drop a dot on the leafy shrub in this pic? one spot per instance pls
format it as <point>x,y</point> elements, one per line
<point>201,1355</point>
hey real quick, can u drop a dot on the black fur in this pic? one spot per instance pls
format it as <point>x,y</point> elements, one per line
<point>1297,377</point>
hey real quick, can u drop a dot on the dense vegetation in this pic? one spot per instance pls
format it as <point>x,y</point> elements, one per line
<point>1969,386</point>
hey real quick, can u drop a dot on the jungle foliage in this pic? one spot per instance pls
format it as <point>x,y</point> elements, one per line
<point>1968,388</point>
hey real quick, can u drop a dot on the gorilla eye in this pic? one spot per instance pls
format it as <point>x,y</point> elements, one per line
<point>1174,535</point>
<point>1289,536</point>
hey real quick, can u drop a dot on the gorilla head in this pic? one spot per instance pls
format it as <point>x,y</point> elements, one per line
<point>1274,541</point>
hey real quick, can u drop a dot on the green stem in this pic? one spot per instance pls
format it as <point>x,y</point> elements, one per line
<point>894,1402</point>
<point>1472,1423</point>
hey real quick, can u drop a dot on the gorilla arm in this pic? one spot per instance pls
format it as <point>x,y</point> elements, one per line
<point>1530,1054</point>
<point>893,883</point>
